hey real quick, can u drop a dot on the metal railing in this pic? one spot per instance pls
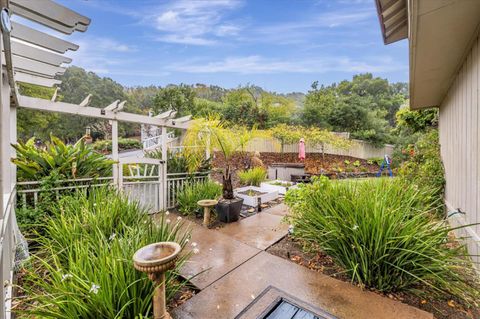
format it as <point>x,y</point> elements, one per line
<point>155,141</point>
<point>177,181</point>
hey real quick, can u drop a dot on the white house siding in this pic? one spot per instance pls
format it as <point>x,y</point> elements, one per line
<point>460,139</point>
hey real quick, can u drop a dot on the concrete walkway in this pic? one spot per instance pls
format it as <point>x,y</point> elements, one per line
<point>238,279</point>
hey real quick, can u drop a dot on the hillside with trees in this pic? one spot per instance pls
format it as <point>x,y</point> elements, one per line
<point>364,106</point>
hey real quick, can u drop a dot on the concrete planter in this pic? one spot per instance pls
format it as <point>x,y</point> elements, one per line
<point>253,200</point>
<point>271,187</point>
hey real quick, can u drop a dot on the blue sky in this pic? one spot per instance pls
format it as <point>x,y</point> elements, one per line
<point>281,45</point>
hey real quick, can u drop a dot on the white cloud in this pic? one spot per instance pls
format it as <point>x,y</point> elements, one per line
<point>255,64</point>
<point>194,22</point>
<point>100,54</point>
<point>310,28</point>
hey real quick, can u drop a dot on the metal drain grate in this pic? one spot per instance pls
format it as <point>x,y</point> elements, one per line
<point>274,303</point>
<point>287,310</point>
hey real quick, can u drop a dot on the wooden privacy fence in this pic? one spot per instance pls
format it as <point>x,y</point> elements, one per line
<point>359,149</point>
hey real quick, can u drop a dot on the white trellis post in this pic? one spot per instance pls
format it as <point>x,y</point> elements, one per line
<point>116,166</point>
<point>4,170</point>
<point>164,186</point>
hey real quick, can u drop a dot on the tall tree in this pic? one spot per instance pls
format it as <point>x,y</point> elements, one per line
<point>364,106</point>
<point>180,98</point>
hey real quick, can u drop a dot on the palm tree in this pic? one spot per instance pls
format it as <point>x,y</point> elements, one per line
<point>213,134</point>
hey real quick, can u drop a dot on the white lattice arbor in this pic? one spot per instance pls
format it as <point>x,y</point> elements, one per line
<point>32,56</point>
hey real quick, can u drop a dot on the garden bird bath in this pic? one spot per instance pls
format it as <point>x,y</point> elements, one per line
<point>155,259</point>
<point>207,205</point>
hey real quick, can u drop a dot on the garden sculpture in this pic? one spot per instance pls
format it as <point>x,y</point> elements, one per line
<point>255,161</point>
<point>385,163</point>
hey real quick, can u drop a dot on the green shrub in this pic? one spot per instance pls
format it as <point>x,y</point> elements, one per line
<point>189,196</point>
<point>84,268</point>
<point>381,231</point>
<point>67,161</point>
<point>123,145</point>
<point>253,176</point>
<point>424,167</point>
<point>375,160</point>
<point>30,220</point>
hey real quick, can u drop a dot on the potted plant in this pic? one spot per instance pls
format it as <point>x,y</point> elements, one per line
<point>213,134</point>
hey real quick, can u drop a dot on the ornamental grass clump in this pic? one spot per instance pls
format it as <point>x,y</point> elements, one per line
<point>253,176</point>
<point>384,234</point>
<point>84,266</point>
<point>188,197</point>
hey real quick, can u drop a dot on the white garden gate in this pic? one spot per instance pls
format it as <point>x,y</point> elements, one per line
<point>144,180</point>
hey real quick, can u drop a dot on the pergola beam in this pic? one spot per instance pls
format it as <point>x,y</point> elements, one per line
<point>54,97</point>
<point>183,119</point>
<point>44,40</point>
<point>112,106</point>
<point>88,111</point>
<point>50,14</point>
<point>35,53</point>
<point>35,79</point>
<point>166,115</point>
<point>86,100</point>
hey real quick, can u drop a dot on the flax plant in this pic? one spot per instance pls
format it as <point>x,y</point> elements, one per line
<point>384,233</point>
<point>253,176</point>
<point>188,197</point>
<point>84,267</point>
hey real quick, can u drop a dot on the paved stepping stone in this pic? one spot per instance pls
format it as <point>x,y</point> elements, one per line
<point>231,294</point>
<point>280,210</point>
<point>217,254</point>
<point>260,231</point>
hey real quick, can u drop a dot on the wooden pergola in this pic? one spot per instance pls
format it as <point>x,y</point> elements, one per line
<point>35,57</point>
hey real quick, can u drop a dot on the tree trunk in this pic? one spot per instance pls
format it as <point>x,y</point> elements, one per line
<point>227,184</point>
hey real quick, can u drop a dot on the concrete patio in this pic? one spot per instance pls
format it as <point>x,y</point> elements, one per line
<point>237,277</point>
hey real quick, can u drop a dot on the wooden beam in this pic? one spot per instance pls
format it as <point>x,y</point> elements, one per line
<point>50,14</point>
<point>112,106</point>
<point>115,151</point>
<point>36,67</point>
<point>86,100</point>
<point>183,119</point>
<point>88,111</point>
<point>34,53</point>
<point>166,115</point>
<point>120,106</point>
<point>164,167</point>
<point>35,79</point>
<point>54,97</point>
<point>41,39</point>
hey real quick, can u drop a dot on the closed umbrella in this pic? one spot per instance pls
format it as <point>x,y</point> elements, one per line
<point>301,149</point>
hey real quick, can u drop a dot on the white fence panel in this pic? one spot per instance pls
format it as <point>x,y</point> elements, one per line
<point>177,181</point>
<point>144,190</point>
